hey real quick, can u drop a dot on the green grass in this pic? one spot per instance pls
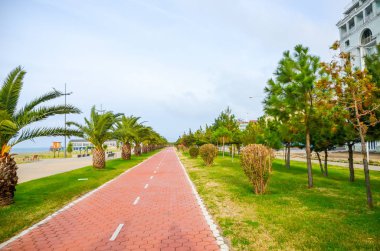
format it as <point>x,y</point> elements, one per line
<point>36,199</point>
<point>331,216</point>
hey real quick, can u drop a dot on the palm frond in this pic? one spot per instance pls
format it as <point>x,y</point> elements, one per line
<point>30,134</point>
<point>10,91</point>
<point>42,113</point>
<point>31,105</point>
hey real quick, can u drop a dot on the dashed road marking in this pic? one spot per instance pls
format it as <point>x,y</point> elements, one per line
<point>146,186</point>
<point>155,172</point>
<point>151,177</point>
<point>136,200</point>
<point>116,233</point>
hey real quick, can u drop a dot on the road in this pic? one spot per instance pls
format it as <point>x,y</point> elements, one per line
<point>357,166</point>
<point>47,167</point>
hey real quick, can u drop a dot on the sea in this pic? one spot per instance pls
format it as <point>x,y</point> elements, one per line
<point>30,150</point>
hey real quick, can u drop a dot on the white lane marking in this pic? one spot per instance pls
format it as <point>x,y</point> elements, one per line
<point>151,177</point>
<point>116,233</point>
<point>155,172</point>
<point>146,186</point>
<point>136,200</point>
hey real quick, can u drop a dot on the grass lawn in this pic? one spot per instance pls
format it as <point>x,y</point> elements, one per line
<point>37,199</point>
<point>331,216</point>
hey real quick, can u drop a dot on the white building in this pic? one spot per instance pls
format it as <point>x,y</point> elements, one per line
<point>359,32</point>
<point>81,144</point>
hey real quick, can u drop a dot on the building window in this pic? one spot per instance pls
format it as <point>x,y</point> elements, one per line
<point>351,24</point>
<point>347,43</point>
<point>366,36</point>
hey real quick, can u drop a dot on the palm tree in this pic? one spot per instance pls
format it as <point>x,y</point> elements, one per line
<point>126,130</point>
<point>97,130</point>
<point>15,127</point>
<point>142,133</point>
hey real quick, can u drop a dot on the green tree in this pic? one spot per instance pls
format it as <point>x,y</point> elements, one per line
<point>97,130</point>
<point>16,126</point>
<point>372,62</point>
<point>224,127</point>
<point>70,147</point>
<point>296,76</point>
<point>223,135</point>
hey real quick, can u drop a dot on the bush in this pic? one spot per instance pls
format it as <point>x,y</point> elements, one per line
<point>194,151</point>
<point>208,153</point>
<point>182,148</point>
<point>256,161</point>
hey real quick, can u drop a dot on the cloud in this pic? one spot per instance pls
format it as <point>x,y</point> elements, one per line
<point>175,63</point>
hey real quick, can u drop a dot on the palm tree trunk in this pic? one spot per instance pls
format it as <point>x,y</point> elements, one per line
<point>137,150</point>
<point>126,151</point>
<point>8,180</point>
<point>351,161</point>
<point>98,158</point>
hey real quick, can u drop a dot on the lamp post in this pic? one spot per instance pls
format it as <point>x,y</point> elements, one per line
<point>66,94</point>
<point>101,109</point>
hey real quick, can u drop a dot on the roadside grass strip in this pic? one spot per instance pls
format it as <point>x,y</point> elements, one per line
<point>331,216</point>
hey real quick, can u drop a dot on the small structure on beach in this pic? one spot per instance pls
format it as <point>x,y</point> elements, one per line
<point>56,147</point>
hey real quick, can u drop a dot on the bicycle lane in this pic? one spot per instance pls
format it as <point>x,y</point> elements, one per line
<point>151,207</point>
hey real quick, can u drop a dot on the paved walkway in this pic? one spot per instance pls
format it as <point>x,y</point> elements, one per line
<point>47,167</point>
<point>151,207</point>
<point>357,166</point>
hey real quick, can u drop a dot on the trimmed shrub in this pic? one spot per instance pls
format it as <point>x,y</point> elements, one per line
<point>208,153</point>
<point>194,151</point>
<point>256,161</point>
<point>182,148</point>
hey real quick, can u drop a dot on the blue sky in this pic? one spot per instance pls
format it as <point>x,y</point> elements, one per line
<point>176,64</point>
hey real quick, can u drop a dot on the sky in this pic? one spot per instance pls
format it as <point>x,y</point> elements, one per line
<point>176,64</point>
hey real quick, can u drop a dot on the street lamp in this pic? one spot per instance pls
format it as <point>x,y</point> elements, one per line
<point>65,94</point>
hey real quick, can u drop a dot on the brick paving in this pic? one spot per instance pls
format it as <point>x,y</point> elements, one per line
<point>154,202</point>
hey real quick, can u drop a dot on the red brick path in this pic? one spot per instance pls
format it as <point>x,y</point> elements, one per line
<point>165,217</point>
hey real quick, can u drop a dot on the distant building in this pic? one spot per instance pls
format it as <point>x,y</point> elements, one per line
<point>81,144</point>
<point>359,32</point>
<point>243,124</point>
<point>360,29</point>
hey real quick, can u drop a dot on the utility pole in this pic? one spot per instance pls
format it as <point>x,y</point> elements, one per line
<point>66,94</point>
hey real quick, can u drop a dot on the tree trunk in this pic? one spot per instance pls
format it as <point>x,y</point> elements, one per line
<point>137,150</point>
<point>364,153</point>
<point>223,147</point>
<point>351,161</point>
<point>98,158</point>
<point>232,152</point>
<point>326,157</point>
<point>288,156</point>
<point>308,159</point>
<point>320,162</point>
<point>8,180</point>
<point>126,151</point>
<point>366,171</point>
